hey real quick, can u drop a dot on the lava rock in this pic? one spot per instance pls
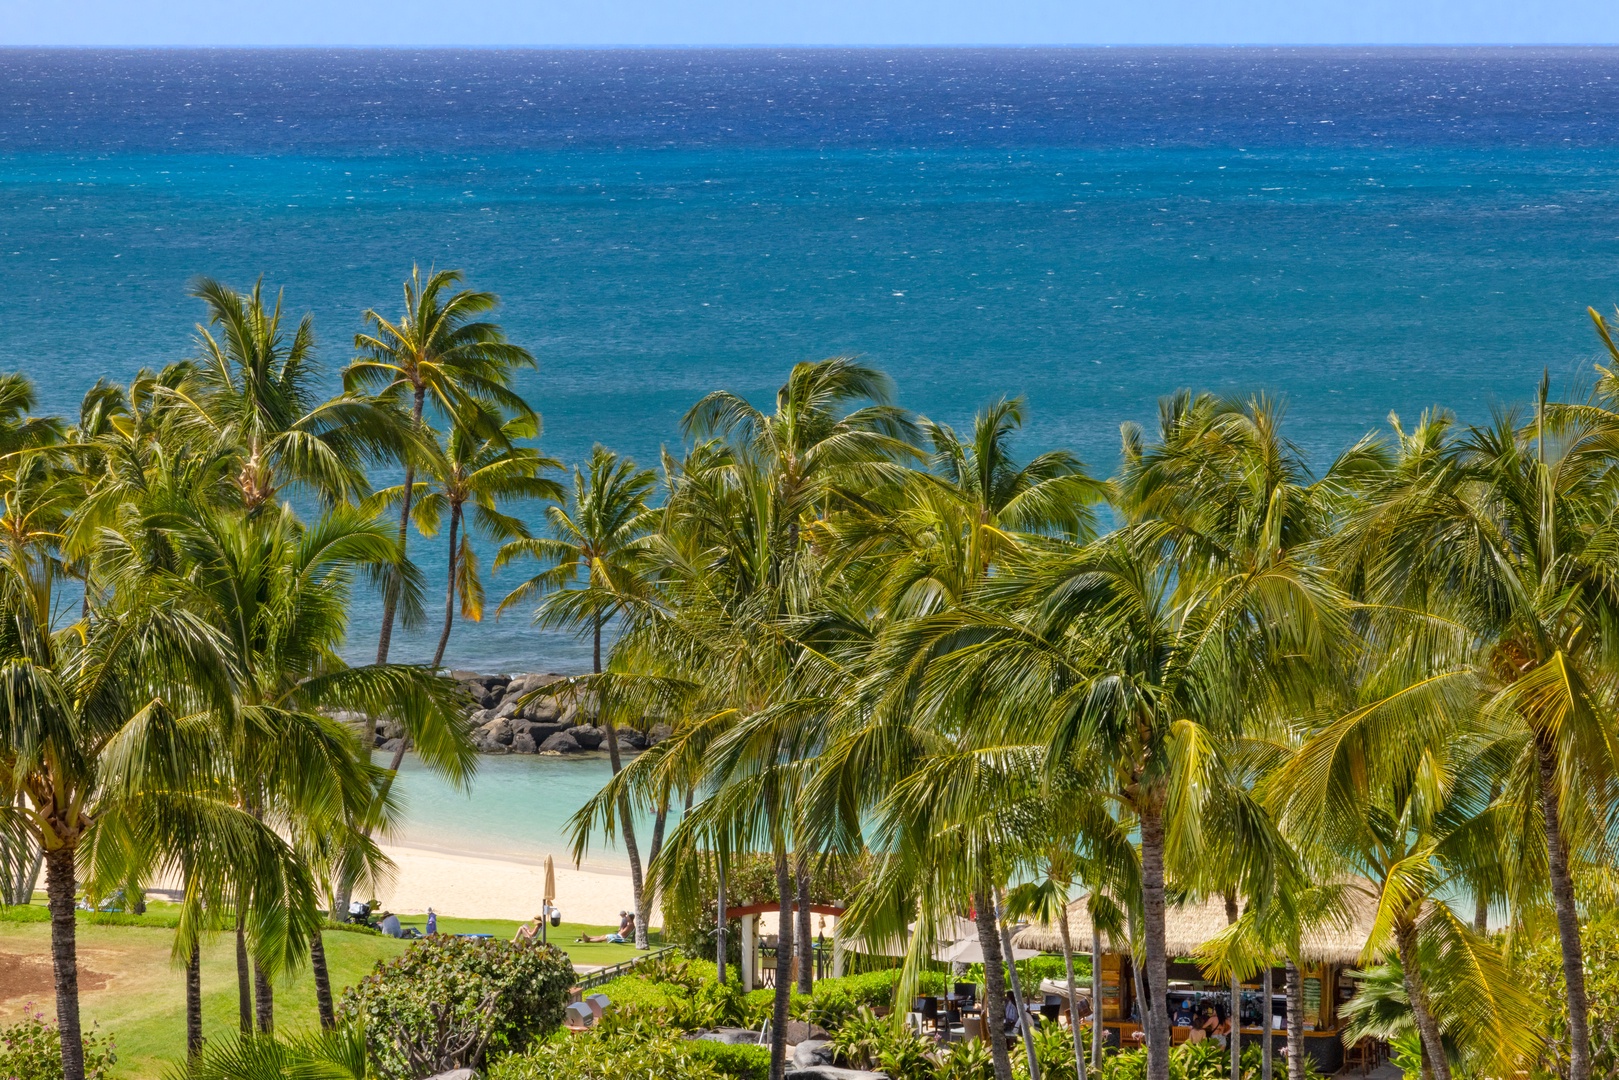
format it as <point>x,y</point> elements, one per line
<point>589,738</point>
<point>524,744</point>
<point>631,739</point>
<point>499,731</point>
<point>812,1052</point>
<point>545,710</point>
<point>658,733</point>
<point>560,743</point>
<point>507,707</point>
<point>730,1036</point>
<point>832,1072</point>
<point>466,676</point>
<point>799,1031</point>
<point>541,732</point>
<point>392,746</point>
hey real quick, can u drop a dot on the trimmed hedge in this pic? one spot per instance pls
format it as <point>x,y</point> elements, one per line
<point>740,1062</point>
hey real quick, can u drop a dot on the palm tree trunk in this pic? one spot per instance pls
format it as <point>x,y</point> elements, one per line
<point>1405,939</point>
<point>244,978</point>
<point>1073,996</point>
<point>802,943</point>
<point>264,996</point>
<point>59,889</point>
<point>1152,932</point>
<point>989,940</point>
<point>1096,994</point>
<point>1568,919</point>
<point>1266,1068</point>
<point>1024,1019</point>
<point>390,592</point>
<point>784,969</point>
<point>1235,1019</point>
<point>323,981</point>
<point>643,899</point>
<point>627,824</point>
<point>1295,1021</point>
<point>194,1002</point>
<point>720,944</point>
<point>449,591</point>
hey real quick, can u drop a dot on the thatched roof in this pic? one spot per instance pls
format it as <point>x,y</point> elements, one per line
<point>1188,926</point>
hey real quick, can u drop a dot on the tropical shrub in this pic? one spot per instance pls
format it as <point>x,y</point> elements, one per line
<point>830,1007</point>
<point>904,1054</point>
<point>449,1001</point>
<point>969,1059</point>
<point>31,1049</point>
<point>608,1055</point>
<point>858,1041</point>
<point>739,1062</point>
<point>1600,941</point>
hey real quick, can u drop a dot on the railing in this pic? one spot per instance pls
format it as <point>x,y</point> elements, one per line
<point>623,967</point>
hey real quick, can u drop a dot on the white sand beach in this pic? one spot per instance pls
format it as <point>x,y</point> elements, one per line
<point>500,887</point>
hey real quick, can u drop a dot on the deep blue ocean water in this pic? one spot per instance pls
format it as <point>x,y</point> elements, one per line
<point>1354,231</point>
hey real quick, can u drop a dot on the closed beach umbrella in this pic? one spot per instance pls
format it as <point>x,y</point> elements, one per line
<point>550,881</point>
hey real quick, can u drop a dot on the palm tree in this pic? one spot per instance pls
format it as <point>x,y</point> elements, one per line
<point>479,471</point>
<point>87,735</point>
<point>279,592</point>
<point>252,394</point>
<point>1401,802</point>
<point>819,446</point>
<point>1503,537</point>
<point>440,351</point>
<point>594,566</point>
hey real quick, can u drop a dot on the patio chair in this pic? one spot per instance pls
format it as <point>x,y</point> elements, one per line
<point>972,1027</point>
<point>1051,1008</point>
<point>966,993</point>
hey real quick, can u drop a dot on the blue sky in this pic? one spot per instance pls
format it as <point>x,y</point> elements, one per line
<point>806,22</point>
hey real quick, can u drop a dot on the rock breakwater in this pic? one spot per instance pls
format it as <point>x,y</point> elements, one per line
<point>507,715</point>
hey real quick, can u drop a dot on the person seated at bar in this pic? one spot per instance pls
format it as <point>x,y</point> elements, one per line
<point>1184,1015</point>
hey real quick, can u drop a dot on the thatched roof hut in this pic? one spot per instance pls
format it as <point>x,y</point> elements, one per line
<point>1188,926</point>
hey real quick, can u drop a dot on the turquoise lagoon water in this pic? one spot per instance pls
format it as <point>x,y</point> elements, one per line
<point>1354,231</point>
<point>518,807</point>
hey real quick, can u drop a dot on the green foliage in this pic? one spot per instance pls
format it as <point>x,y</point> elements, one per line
<point>860,1039</point>
<point>904,1054</point>
<point>740,1062</point>
<point>969,1059</point>
<point>1600,942</point>
<point>606,1055</point>
<point>690,916</point>
<point>332,1055</point>
<point>31,1049</point>
<point>448,1001</point>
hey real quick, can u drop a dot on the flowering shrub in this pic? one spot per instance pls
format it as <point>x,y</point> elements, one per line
<point>31,1049</point>
<point>450,1001</point>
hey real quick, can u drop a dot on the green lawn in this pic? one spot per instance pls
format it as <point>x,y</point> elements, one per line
<point>134,990</point>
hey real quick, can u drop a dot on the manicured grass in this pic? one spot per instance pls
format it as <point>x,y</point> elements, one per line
<point>135,990</point>
<point>561,936</point>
